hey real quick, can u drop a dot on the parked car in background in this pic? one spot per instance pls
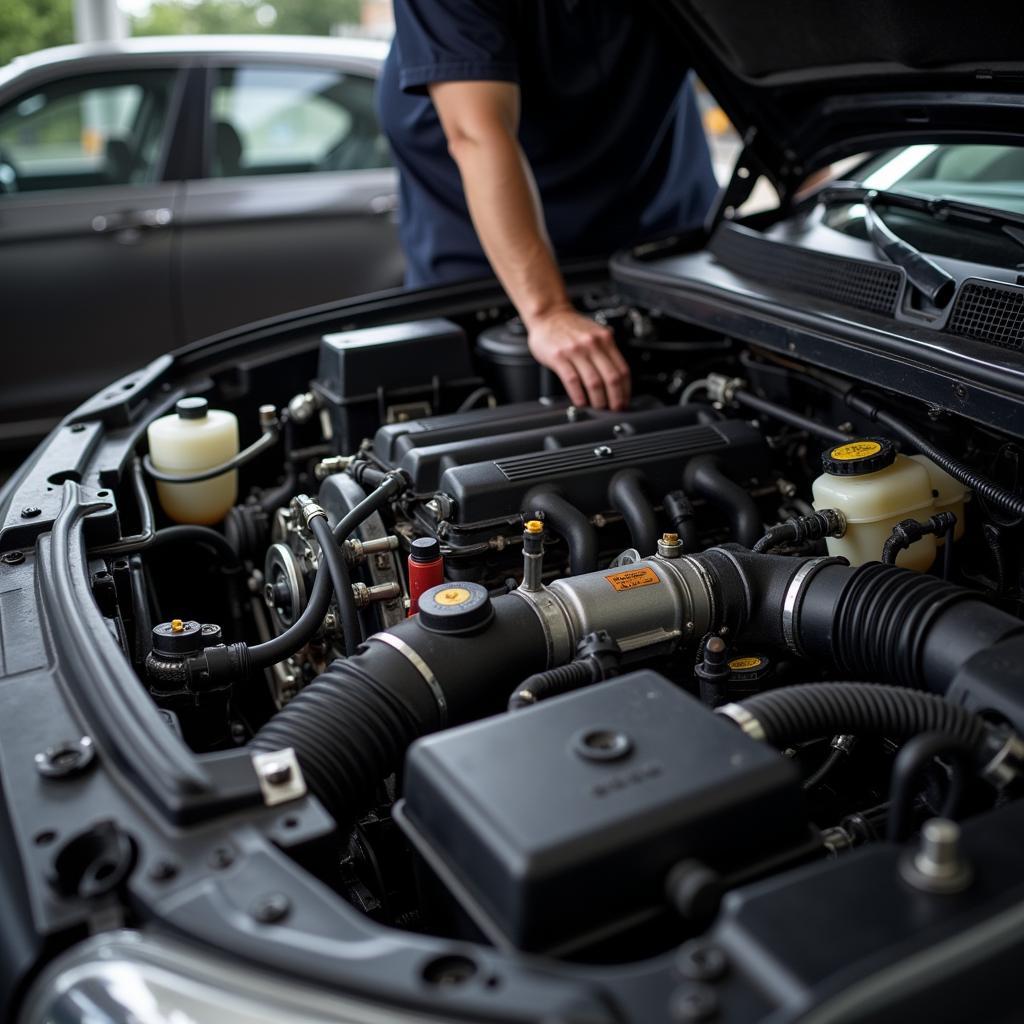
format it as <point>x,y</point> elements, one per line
<point>157,191</point>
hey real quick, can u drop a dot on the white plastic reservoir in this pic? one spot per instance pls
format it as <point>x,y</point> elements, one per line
<point>875,489</point>
<point>192,439</point>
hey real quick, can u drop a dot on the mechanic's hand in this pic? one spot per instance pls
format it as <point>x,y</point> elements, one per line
<point>584,355</point>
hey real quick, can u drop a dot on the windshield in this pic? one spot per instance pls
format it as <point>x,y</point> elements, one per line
<point>986,175</point>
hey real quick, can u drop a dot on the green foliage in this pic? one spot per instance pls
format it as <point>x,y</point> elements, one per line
<point>27,25</point>
<point>292,17</point>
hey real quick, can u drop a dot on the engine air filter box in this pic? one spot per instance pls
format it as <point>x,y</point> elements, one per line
<point>392,373</point>
<point>556,823</point>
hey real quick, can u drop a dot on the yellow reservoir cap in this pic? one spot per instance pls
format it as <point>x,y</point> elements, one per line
<point>452,596</point>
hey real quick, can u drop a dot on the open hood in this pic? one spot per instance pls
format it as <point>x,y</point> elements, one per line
<point>809,81</point>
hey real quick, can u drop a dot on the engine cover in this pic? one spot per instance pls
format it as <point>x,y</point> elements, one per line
<point>563,820</point>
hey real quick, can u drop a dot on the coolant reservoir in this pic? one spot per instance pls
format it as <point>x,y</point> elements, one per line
<point>195,438</point>
<point>948,494</point>
<point>875,489</point>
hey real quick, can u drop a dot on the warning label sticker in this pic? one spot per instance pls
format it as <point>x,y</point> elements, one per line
<point>629,579</point>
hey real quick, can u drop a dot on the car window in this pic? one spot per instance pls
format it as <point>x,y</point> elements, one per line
<point>104,129</point>
<point>989,175</point>
<point>278,120</point>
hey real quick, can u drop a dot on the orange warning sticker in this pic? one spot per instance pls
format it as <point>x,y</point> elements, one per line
<point>629,579</point>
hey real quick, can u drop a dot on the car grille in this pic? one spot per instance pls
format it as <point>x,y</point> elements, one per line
<point>990,312</point>
<point>849,282</point>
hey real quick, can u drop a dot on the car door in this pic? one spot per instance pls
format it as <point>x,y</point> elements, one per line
<point>297,206</point>
<point>85,237</point>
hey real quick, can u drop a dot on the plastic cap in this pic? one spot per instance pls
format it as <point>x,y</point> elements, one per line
<point>425,549</point>
<point>855,458</point>
<point>192,408</point>
<point>455,608</point>
<point>533,526</point>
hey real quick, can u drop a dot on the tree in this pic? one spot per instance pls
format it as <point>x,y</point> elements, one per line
<point>27,25</point>
<point>292,17</point>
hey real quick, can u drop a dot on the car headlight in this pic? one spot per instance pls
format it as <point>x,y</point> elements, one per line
<point>129,978</point>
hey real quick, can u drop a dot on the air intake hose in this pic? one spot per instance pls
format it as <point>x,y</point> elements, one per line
<point>351,726</point>
<point>871,622</point>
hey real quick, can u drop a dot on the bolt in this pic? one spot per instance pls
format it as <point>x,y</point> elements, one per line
<point>30,512</point>
<point>700,961</point>
<point>222,857</point>
<point>693,1003</point>
<point>271,909</point>
<point>66,758</point>
<point>602,451</point>
<point>163,871</point>
<point>938,864</point>
<point>960,391</point>
<point>14,557</point>
<point>276,773</point>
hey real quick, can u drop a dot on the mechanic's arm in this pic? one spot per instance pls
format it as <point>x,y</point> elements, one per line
<point>481,122</point>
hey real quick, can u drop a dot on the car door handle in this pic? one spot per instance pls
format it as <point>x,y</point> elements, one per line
<point>124,220</point>
<point>384,204</point>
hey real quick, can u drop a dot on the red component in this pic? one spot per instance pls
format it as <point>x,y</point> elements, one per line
<point>426,569</point>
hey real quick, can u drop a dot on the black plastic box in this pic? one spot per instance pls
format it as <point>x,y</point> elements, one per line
<point>556,822</point>
<point>391,373</point>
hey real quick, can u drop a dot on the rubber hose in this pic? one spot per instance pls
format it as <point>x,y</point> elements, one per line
<point>350,727</point>
<point>334,559</point>
<point>570,524</point>
<point>992,492</point>
<point>197,535</point>
<point>797,714</point>
<point>283,492</point>
<point>626,495</point>
<point>823,770</point>
<point>906,772</point>
<point>784,415</point>
<point>349,731</point>
<point>552,682</point>
<point>304,628</point>
<point>681,515</point>
<point>390,486</point>
<point>705,478</point>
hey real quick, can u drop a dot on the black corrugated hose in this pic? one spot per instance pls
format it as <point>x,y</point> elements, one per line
<point>797,714</point>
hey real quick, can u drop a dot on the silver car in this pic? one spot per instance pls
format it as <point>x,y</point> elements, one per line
<point>157,191</point>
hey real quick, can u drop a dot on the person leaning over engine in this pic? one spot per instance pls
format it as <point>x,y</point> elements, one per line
<point>527,131</point>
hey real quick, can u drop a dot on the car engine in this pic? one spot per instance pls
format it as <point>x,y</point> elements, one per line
<point>519,686</point>
<point>564,679</point>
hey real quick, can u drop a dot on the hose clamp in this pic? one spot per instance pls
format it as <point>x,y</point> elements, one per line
<point>414,659</point>
<point>792,599</point>
<point>744,719</point>
<point>308,507</point>
<point>559,634</point>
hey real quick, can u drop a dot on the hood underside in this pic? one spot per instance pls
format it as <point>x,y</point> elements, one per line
<point>808,81</point>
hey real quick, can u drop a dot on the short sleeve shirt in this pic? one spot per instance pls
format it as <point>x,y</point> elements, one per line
<point>608,124</point>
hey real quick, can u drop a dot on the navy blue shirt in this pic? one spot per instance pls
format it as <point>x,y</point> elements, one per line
<point>608,124</point>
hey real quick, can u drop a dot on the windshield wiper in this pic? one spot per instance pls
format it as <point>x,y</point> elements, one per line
<point>926,276</point>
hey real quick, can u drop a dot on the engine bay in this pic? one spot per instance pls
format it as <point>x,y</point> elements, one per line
<point>570,682</point>
<point>585,612</point>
